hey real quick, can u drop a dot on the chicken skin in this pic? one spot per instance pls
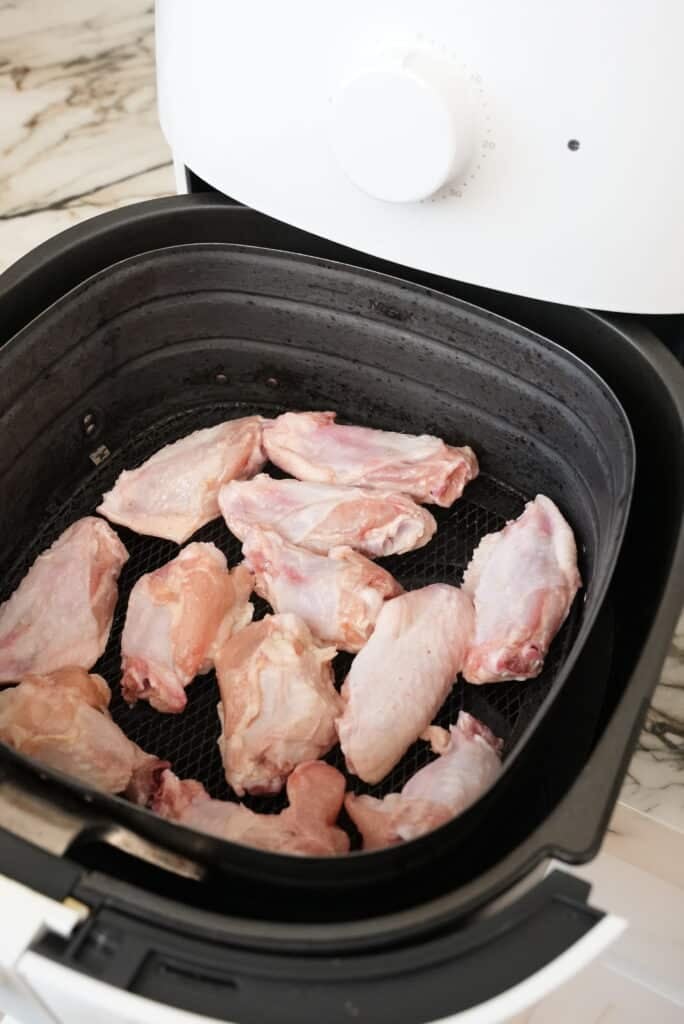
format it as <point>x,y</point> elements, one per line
<point>339,596</point>
<point>470,763</point>
<point>61,613</point>
<point>322,516</point>
<point>307,827</point>
<point>522,581</point>
<point>278,702</point>
<point>62,720</point>
<point>311,446</point>
<point>176,617</point>
<point>176,490</point>
<point>402,676</point>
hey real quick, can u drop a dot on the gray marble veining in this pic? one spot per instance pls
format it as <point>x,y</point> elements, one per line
<point>78,121</point>
<point>655,781</point>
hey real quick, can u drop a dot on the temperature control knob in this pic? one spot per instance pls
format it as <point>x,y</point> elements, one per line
<point>403,127</point>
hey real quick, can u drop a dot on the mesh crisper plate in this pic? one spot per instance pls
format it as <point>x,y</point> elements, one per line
<point>188,740</point>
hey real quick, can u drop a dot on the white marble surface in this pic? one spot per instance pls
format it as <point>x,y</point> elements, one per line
<point>655,781</point>
<point>78,119</point>
<point>79,135</point>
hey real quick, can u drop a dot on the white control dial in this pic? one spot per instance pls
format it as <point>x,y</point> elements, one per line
<point>403,128</point>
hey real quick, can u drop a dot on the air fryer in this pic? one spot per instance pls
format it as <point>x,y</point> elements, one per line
<point>135,294</point>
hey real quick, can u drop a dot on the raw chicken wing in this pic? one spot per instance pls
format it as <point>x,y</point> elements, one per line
<point>61,719</point>
<point>176,617</point>
<point>62,611</point>
<point>278,702</point>
<point>339,596</point>
<point>176,490</point>
<point>321,516</point>
<point>402,676</point>
<point>469,764</point>
<point>311,446</point>
<point>522,581</point>
<point>315,791</point>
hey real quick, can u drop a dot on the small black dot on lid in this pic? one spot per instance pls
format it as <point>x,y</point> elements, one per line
<point>573,144</point>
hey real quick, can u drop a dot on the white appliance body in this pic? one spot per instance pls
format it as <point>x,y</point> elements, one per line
<point>531,147</point>
<point>35,990</point>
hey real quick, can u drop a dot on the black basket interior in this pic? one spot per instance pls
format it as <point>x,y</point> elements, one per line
<point>189,740</point>
<point>161,344</point>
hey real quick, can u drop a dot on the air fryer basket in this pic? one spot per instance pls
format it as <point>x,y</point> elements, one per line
<point>172,340</point>
<point>189,741</point>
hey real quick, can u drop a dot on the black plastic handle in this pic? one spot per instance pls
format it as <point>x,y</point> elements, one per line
<point>428,980</point>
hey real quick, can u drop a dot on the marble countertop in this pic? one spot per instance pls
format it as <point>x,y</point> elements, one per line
<point>80,136</point>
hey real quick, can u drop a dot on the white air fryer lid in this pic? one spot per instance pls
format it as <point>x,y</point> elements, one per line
<point>532,148</point>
